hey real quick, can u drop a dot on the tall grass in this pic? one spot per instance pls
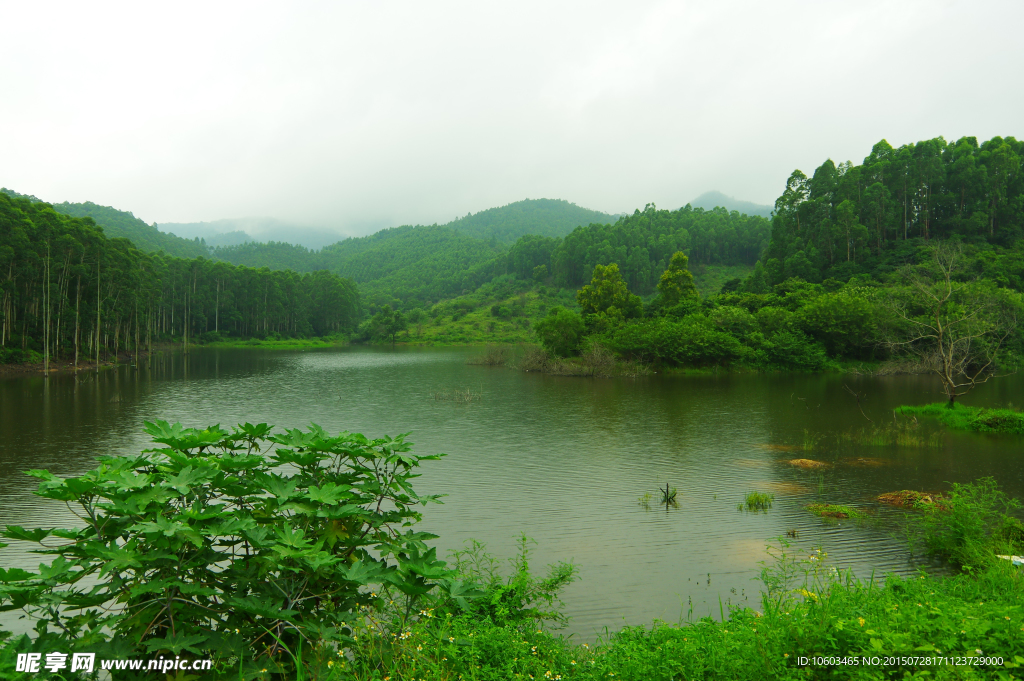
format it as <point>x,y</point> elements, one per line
<point>963,417</point>
<point>759,501</point>
<point>901,434</point>
<point>456,395</point>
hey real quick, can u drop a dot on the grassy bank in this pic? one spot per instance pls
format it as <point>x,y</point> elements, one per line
<point>817,614</point>
<point>595,361</point>
<point>279,343</point>
<point>963,417</point>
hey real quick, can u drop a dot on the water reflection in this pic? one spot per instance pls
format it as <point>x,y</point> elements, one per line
<point>562,459</point>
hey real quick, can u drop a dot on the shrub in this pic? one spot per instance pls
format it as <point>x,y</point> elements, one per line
<point>734,320</point>
<point>844,321</point>
<point>560,332</point>
<point>692,341</point>
<point>788,349</point>
<point>773,319</point>
<point>972,525</point>
<point>213,545</point>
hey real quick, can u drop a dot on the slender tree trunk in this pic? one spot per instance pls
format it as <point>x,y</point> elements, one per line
<point>78,302</point>
<point>97,315</point>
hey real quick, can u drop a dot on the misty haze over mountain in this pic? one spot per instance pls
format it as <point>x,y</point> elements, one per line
<point>233,231</point>
<point>713,199</point>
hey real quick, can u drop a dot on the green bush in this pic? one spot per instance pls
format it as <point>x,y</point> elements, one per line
<point>973,525</point>
<point>773,319</point>
<point>561,331</point>
<point>788,349</point>
<point>845,321</point>
<point>693,341</point>
<point>240,545</point>
<point>9,355</point>
<point>734,320</point>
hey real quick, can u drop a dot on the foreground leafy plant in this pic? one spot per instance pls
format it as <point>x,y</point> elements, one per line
<point>244,545</point>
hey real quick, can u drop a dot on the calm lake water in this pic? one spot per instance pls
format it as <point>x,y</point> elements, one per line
<point>561,459</point>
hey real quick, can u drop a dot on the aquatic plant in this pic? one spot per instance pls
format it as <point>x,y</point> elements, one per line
<point>456,395</point>
<point>836,511</point>
<point>807,463</point>
<point>811,440</point>
<point>668,496</point>
<point>908,498</point>
<point>901,434</point>
<point>495,355</point>
<point>759,501</point>
<point>963,417</point>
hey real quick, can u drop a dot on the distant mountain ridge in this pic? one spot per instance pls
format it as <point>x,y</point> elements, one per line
<point>264,230</point>
<point>541,217</point>
<point>714,199</point>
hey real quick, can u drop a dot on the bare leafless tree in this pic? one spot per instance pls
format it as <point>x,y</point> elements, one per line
<point>956,326</point>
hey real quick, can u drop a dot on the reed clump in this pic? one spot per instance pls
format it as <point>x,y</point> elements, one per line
<point>759,501</point>
<point>595,362</point>
<point>456,395</point>
<point>495,356</point>
<point>905,434</point>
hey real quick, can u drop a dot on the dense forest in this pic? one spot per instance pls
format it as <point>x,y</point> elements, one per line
<point>414,266</point>
<point>69,292</point>
<point>843,220</point>
<point>819,267</point>
<point>119,223</point>
<point>914,255</point>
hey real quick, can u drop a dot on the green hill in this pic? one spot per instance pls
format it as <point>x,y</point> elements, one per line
<point>422,263</point>
<point>119,223</point>
<point>276,255</point>
<point>714,199</point>
<point>543,217</point>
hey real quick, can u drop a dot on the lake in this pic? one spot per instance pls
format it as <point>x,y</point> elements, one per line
<point>561,459</point>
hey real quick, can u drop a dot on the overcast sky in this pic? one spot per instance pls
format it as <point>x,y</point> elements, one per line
<point>357,116</point>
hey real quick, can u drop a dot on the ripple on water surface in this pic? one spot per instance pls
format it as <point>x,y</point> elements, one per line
<point>564,460</point>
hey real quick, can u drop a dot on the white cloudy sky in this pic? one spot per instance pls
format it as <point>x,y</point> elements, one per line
<point>368,114</point>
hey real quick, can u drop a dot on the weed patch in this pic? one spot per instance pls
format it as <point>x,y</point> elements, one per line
<point>834,511</point>
<point>978,419</point>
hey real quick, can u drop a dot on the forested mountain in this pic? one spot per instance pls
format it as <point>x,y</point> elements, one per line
<point>67,291</point>
<point>413,263</point>
<point>716,199</point>
<point>227,239</point>
<point>122,224</point>
<point>275,255</point>
<point>846,219</point>
<point>543,217</point>
<point>642,244</point>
